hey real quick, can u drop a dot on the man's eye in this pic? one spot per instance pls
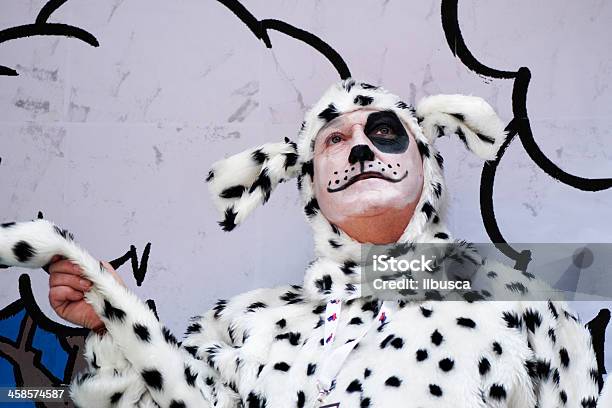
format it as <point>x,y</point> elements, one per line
<point>384,131</point>
<point>335,139</point>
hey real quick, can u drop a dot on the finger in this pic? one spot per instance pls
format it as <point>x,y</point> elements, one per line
<point>113,272</point>
<point>61,294</point>
<point>66,279</point>
<point>65,266</point>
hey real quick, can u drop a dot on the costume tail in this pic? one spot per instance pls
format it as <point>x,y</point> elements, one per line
<point>132,325</point>
<point>33,245</point>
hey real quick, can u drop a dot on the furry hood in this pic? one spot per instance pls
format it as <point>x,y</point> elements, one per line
<point>242,182</point>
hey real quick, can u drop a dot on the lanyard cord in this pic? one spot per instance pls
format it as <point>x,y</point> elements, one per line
<point>335,357</point>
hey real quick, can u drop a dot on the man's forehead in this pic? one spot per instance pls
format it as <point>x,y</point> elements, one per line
<point>348,118</point>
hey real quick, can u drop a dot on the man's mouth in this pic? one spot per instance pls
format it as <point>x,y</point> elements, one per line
<point>364,176</point>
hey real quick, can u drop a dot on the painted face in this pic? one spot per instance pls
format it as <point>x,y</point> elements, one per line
<point>365,162</point>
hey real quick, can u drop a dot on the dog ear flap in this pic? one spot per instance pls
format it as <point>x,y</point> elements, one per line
<point>242,182</point>
<point>469,117</point>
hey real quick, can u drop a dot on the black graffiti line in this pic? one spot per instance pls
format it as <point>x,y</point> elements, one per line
<point>138,270</point>
<point>42,28</point>
<point>315,42</point>
<point>48,9</point>
<point>452,31</point>
<point>260,30</point>
<point>64,30</point>
<point>520,125</point>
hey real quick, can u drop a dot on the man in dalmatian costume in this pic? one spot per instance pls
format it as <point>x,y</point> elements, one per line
<point>367,171</point>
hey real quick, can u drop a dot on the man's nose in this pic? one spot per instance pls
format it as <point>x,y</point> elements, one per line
<point>360,153</point>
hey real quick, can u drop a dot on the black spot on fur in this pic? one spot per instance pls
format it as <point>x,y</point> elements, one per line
<point>384,343</point>
<point>334,244</point>
<point>112,313</point>
<point>282,366</point>
<point>513,321</point>
<point>553,310</point>
<point>308,168</point>
<point>259,157</point>
<point>330,113</point>
<point>63,233</point>
<point>115,397</point>
<point>292,337</point>
<point>7,224</point>
<point>484,366</point>
<point>436,338</point>
<point>533,319</point>
<point>485,138</point>
<point>193,350</point>
<point>194,328</point>
<point>210,176</point>
<point>301,399</point>
<point>291,298</point>
<point>310,370</point>
<point>439,160</point>
<point>264,184</point>
<point>401,105</point>
<point>466,322</point>
<point>563,397</point>
<point>497,392</point>
<point>542,369</point>
<point>371,306</point>
<point>365,85</point>
<point>319,309</point>
<point>23,251</point>
<point>219,307</point>
<point>256,305</point>
<point>427,209</point>
<point>426,312</point>
<point>354,386</point>
<point>356,321</point>
<point>324,284</point>
<point>177,404</point>
<point>229,220</point>
<point>421,355</point>
<point>367,372</point>
<point>153,379</point>
<point>290,159</point>
<point>142,332</point>
<point>590,402</point>
<point>446,364</point>
<point>564,355</point>
<point>492,274</point>
<point>311,208</point>
<point>255,401</point>
<point>393,381</point>
<point>190,376</point>
<point>437,189</point>
<point>435,390</point>
<point>363,100</point>
<point>497,348</point>
<point>281,323</point>
<point>169,337</point>
<point>517,287</point>
<point>233,192</point>
<point>423,148</point>
<point>347,267</point>
<point>397,343</point>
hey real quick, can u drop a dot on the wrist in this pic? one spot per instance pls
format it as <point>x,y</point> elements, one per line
<point>100,329</point>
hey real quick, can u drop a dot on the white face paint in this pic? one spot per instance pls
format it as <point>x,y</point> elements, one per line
<point>365,165</point>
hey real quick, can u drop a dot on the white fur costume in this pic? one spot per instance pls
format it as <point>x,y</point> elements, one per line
<point>264,348</point>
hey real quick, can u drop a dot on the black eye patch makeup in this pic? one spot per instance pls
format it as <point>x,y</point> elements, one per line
<point>386,132</point>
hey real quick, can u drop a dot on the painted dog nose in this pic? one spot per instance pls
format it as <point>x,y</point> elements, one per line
<point>360,153</point>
